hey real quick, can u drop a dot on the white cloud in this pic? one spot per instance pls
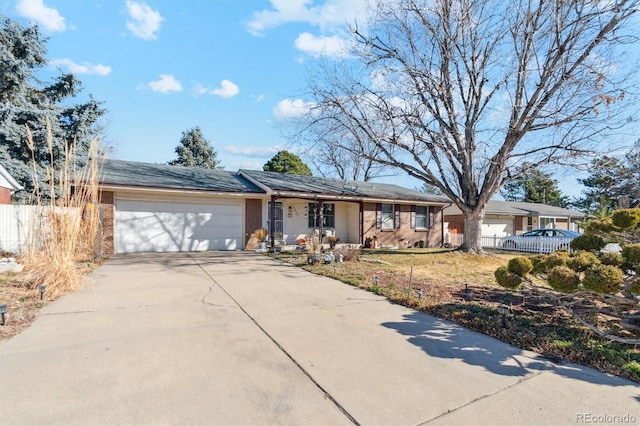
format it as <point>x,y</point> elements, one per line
<point>330,14</point>
<point>289,109</point>
<point>321,46</point>
<point>253,151</point>
<point>227,89</point>
<point>47,17</point>
<point>84,68</point>
<point>167,83</point>
<point>144,22</point>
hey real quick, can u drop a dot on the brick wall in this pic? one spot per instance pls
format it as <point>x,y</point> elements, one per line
<point>5,196</point>
<point>106,204</point>
<point>252,217</point>
<point>404,236</point>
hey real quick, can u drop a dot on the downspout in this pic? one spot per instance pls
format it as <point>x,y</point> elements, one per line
<point>442,224</point>
<point>361,222</point>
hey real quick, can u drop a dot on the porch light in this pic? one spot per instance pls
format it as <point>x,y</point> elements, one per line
<point>290,214</point>
<point>3,311</point>
<point>42,289</point>
<point>306,211</point>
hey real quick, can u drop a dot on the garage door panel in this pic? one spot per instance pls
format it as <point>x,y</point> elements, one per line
<point>150,226</point>
<point>498,227</point>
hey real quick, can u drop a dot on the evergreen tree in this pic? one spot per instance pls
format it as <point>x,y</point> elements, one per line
<point>25,102</point>
<point>534,186</point>
<point>286,162</point>
<point>195,151</point>
<point>609,180</point>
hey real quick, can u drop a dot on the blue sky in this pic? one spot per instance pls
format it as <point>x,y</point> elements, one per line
<point>235,68</point>
<point>161,67</point>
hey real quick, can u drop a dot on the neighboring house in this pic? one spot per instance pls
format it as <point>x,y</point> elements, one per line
<point>8,185</point>
<point>157,208</point>
<point>504,218</point>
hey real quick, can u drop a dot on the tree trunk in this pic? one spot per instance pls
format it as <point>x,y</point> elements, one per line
<point>473,231</point>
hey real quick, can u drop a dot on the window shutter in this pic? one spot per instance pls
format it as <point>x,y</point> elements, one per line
<point>396,216</point>
<point>379,215</point>
<point>412,221</point>
<point>432,213</point>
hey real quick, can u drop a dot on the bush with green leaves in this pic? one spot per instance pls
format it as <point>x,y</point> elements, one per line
<point>605,279</point>
<point>588,242</point>
<point>507,279</point>
<point>631,255</point>
<point>557,258</point>
<point>611,258</point>
<point>564,279</point>
<point>596,225</point>
<point>538,263</point>
<point>634,286</point>
<point>520,266</point>
<point>582,261</point>
<point>626,219</point>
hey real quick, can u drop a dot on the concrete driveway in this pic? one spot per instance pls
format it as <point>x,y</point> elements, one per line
<point>236,338</point>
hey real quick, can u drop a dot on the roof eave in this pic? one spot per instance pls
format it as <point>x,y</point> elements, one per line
<point>165,190</point>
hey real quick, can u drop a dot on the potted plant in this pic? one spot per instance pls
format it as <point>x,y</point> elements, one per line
<point>261,236</point>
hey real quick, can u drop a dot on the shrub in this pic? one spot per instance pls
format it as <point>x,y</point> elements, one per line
<point>582,261</point>
<point>634,287</point>
<point>605,279</point>
<point>631,254</point>
<point>626,218</point>
<point>538,263</point>
<point>588,243</point>
<point>520,266</point>
<point>558,258</point>
<point>561,278</point>
<point>595,225</point>
<point>507,279</point>
<point>612,258</point>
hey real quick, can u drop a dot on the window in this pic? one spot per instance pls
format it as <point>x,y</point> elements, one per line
<point>278,222</point>
<point>423,217</point>
<point>387,216</point>
<point>328,215</point>
<point>547,222</point>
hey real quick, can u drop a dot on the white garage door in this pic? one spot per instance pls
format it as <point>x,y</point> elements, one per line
<point>148,226</point>
<point>499,227</point>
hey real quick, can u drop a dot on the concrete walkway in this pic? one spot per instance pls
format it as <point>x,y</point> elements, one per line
<point>236,338</point>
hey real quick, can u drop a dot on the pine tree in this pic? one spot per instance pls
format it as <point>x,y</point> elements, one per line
<point>534,186</point>
<point>24,103</point>
<point>195,151</point>
<point>286,162</point>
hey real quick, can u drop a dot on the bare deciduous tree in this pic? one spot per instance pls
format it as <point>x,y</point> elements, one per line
<point>461,93</point>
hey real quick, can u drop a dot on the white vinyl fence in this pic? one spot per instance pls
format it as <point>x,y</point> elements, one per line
<point>21,225</point>
<point>528,245</point>
<point>17,223</point>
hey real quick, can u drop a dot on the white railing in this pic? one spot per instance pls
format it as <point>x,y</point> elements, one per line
<point>521,244</point>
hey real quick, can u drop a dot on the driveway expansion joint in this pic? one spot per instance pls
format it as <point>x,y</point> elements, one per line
<point>304,371</point>
<point>488,395</point>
